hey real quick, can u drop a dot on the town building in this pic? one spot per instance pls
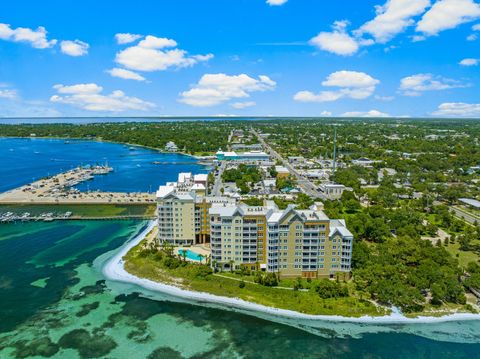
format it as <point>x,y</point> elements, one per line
<point>295,160</point>
<point>282,172</point>
<point>333,190</point>
<point>249,156</point>
<point>243,146</point>
<point>364,162</point>
<point>470,202</point>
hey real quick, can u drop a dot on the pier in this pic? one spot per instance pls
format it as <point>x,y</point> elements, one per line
<point>59,189</point>
<point>9,217</point>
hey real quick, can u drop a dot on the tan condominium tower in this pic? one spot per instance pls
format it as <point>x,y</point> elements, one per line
<point>290,242</point>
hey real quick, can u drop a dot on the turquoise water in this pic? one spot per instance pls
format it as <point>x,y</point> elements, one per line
<point>55,302</point>
<point>191,255</point>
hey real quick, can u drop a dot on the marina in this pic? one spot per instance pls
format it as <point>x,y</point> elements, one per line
<point>60,189</point>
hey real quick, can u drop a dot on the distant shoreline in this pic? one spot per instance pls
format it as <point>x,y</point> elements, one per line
<point>114,270</point>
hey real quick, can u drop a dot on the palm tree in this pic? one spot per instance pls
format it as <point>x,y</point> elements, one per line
<point>184,254</point>
<point>231,262</point>
<point>201,256</point>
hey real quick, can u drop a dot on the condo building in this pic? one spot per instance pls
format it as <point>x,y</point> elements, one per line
<point>290,242</point>
<point>182,207</point>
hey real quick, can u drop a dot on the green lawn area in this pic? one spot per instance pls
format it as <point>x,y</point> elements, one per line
<point>83,210</point>
<point>464,257</point>
<point>199,278</point>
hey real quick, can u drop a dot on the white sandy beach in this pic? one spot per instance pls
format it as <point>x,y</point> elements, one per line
<point>114,270</point>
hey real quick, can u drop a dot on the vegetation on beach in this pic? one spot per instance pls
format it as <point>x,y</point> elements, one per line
<point>162,266</point>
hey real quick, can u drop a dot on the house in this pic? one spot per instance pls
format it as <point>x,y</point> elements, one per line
<point>171,147</point>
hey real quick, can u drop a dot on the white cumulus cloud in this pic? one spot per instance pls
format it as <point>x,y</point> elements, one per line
<point>416,84</point>
<point>447,14</point>
<point>276,2</point>
<point>469,62</point>
<point>338,41</point>
<point>74,48</point>
<point>214,89</point>
<point>125,74</point>
<point>90,97</point>
<point>350,84</point>
<point>458,109</point>
<point>8,93</point>
<point>242,105</point>
<point>371,113</point>
<point>36,38</point>
<point>157,54</point>
<point>126,38</point>
<point>393,18</point>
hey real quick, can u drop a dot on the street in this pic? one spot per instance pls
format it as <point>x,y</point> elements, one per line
<point>308,187</point>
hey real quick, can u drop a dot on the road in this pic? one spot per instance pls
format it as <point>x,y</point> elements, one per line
<point>460,213</point>
<point>218,179</point>
<point>464,215</point>
<point>308,187</point>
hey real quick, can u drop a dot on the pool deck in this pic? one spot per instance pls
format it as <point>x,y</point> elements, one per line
<point>198,249</point>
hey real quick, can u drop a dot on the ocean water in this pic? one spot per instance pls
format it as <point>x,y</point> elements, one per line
<point>55,302</point>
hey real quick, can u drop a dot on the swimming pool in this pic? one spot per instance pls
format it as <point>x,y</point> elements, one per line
<point>191,255</point>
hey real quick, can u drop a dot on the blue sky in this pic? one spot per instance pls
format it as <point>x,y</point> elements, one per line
<point>240,57</point>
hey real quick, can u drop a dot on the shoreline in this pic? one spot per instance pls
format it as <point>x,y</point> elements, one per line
<point>114,270</point>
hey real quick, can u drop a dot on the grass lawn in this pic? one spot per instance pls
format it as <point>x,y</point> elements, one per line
<point>199,278</point>
<point>464,257</point>
<point>82,210</point>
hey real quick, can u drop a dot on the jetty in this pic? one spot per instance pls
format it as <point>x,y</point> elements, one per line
<point>60,189</point>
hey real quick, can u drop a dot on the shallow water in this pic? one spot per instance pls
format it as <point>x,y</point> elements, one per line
<point>79,314</point>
